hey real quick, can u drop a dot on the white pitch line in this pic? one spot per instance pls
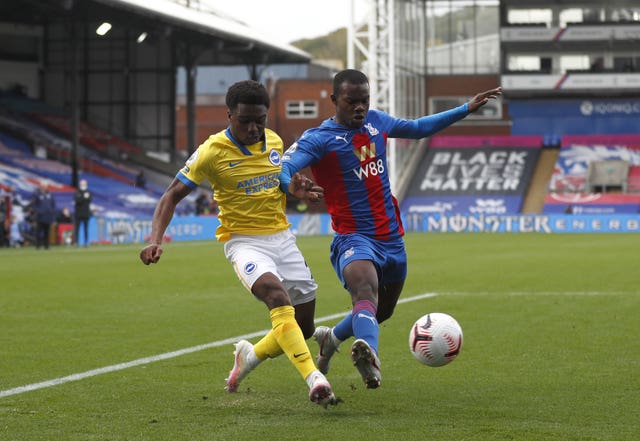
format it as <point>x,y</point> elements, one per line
<point>165,356</point>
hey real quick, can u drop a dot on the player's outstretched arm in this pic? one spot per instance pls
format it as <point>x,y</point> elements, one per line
<point>483,98</point>
<point>304,188</point>
<point>161,218</point>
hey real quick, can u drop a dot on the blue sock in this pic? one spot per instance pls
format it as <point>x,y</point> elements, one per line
<point>344,329</point>
<point>365,324</point>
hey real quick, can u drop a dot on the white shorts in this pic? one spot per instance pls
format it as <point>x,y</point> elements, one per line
<point>253,256</point>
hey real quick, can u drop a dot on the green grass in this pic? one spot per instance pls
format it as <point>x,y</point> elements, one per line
<point>551,347</point>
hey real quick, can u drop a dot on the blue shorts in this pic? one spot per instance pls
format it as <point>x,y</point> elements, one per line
<point>389,257</point>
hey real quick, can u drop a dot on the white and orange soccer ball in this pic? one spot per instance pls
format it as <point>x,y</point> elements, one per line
<point>435,339</point>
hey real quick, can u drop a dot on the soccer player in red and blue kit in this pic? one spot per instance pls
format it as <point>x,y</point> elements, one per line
<point>348,158</point>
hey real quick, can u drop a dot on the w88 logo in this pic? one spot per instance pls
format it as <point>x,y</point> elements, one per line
<point>373,168</point>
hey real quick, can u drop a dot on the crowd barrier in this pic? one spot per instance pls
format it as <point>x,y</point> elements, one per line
<point>522,223</point>
<point>184,228</point>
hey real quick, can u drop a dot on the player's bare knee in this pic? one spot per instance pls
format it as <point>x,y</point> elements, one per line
<point>364,291</point>
<point>276,298</point>
<point>272,294</point>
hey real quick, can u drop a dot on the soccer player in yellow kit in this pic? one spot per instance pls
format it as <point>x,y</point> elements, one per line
<point>242,164</point>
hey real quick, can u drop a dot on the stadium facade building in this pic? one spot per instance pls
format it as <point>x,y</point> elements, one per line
<point>571,67</point>
<point>568,69</point>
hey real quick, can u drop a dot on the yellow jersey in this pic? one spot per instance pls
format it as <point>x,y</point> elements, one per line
<point>245,183</point>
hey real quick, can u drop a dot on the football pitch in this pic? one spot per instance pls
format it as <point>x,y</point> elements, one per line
<point>96,346</point>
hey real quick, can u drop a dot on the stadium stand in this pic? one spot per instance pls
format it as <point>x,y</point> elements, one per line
<point>596,174</point>
<point>633,182</point>
<point>35,147</point>
<point>473,175</point>
<point>23,172</point>
<point>90,136</point>
<point>47,128</point>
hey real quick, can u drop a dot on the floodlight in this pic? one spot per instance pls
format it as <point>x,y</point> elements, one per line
<point>103,28</point>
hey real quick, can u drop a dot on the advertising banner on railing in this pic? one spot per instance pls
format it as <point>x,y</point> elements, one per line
<point>459,223</point>
<point>182,228</point>
<point>106,231</point>
<point>591,203</point>
<point>138,230</point>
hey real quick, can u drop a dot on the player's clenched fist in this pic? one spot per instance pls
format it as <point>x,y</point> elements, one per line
<point>151,254</point>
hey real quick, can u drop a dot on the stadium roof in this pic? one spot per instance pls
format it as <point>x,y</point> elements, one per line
<point>220,38</point>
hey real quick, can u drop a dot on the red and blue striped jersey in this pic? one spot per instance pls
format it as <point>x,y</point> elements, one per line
<point>351,166</point>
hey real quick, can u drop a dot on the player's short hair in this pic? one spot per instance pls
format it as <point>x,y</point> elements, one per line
<point>351,76</point>
<point>247,92</point>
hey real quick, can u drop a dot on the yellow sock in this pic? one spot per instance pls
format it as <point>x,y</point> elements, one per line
<point>289,337</point>
<point>267,347</point>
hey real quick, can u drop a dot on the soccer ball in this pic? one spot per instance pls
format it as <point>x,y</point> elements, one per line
<point>435,339</point>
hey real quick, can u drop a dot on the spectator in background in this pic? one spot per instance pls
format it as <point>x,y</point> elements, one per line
<point>64,217</point>
<point>44,209</point>
<point>26,227</point>
<point>82,201</point>
<point>19,206</point>
<point>203,204</point>
<point>16,240</point>
<point>141,180</point>
<point>4,219</point>
<point>23,216</point>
